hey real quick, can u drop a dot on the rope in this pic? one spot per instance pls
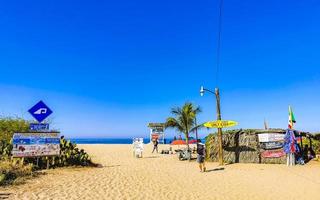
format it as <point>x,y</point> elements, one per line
<point>219,41</point>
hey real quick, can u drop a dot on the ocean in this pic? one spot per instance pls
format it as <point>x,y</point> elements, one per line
<point>109,140</point>
<point>104,140</point>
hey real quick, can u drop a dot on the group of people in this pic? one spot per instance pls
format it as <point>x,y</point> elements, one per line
<point>201,153</point>
<point>304,155</point>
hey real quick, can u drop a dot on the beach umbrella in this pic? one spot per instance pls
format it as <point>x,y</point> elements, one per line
<point>194,141</point>
<point>178,142</point>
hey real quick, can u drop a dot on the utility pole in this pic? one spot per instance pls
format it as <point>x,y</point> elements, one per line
<point>265,124</point>
<point>219,129</point>
<point>195,120</point>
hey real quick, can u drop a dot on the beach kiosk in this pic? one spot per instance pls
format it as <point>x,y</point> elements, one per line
<point>157,132</point>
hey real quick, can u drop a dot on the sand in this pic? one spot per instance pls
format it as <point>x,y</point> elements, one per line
<point>165,177</point>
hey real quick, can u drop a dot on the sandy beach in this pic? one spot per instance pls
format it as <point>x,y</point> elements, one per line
<point>159,176</point>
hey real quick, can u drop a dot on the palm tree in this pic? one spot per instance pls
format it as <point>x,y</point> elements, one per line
<point>184,119</point>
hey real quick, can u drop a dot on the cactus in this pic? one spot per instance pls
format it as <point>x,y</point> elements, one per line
<point>71,155</point>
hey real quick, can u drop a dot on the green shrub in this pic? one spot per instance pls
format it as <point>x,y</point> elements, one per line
<point>315,144</point>
<point>9,126</point>
<point>11,172</point>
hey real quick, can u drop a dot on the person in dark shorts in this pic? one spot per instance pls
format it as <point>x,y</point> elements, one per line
<point>201,151</point>
<point>155,145</point>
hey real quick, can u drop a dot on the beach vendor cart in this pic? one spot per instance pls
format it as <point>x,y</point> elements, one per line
<point>137,147</point>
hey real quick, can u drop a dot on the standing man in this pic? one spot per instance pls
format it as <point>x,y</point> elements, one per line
<point>201,151</point>
<point>155,145</point>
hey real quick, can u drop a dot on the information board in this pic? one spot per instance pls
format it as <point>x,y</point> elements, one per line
<point>273,153</point>
<point>36,144</point>
<point>270,137</point>
<point>271,145</point>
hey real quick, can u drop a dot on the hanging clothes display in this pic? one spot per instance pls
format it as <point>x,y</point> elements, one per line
<point>290,147</point>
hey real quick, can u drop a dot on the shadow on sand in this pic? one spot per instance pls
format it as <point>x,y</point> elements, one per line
<point>152,157</point>
<point>216,169</point>
<point>5,195</point>
<point>110,166</point>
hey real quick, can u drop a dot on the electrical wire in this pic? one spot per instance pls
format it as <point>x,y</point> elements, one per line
<point>219,42</point>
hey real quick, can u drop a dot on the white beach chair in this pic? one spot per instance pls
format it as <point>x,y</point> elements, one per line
<point>138,147</point>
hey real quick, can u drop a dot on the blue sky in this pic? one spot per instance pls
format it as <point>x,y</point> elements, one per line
<point>107,68</point>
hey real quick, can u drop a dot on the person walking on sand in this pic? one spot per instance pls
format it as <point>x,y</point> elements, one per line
<point>201,151</point>
<point>155,145</point>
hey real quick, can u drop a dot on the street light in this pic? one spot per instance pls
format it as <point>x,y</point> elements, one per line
<point>203,90</point>
<point>217,94</point>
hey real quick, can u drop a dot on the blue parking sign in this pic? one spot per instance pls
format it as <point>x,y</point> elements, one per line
<point>40,111</point>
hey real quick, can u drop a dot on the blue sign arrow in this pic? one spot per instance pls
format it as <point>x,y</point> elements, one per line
<point>40,111</point>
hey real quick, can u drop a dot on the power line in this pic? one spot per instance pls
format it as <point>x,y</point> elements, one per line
<point>219,42</point>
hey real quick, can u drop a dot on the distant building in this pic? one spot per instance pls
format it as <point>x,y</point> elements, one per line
<point>157,132</point>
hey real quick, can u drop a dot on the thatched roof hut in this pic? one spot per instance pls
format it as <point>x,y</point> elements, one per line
<point>249,146</point>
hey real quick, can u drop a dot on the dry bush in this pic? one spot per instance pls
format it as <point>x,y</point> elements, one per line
<point>11,172</point>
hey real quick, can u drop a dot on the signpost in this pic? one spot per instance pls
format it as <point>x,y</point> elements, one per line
<point>40,111</point>
<point>220,124</point>
<point>39,141</point>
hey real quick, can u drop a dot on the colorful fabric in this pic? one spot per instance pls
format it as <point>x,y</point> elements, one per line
<point>292,119</point>
<point>290,142</point>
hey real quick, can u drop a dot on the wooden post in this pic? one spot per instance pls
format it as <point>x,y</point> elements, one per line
<point>53,158</point>
<point>37,161</point>
<point>301,143</point>
<point>48,163</point>
<point>219,129</point>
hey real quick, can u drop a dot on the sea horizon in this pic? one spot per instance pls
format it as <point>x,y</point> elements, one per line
<point>104,140</point>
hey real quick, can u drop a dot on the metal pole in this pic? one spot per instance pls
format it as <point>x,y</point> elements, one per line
<point>196,129</point>
<point>219,129</point>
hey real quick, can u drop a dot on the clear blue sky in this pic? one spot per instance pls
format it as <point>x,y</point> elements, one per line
<point>107,68</point>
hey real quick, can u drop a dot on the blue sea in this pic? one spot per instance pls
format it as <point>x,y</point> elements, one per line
<point>109,140</point>
<point>104,140</point>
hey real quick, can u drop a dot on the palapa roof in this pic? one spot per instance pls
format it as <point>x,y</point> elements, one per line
<point>156,125</point>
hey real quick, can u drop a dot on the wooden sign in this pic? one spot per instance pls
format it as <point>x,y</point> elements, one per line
<point>271,145</point>
<point>220,124</point>
<point>270,137</point>
<point>273,153</point>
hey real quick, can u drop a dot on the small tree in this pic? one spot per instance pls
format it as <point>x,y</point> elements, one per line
<point>8,126</point>
<point>184,119</point>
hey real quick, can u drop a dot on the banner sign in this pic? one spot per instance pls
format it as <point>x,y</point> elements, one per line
<point>270,137</point>
<point>220,124</point>
<point>271,145</point>
<point>35,144</point>
<point>273,153</point>
<point>39,127</point>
